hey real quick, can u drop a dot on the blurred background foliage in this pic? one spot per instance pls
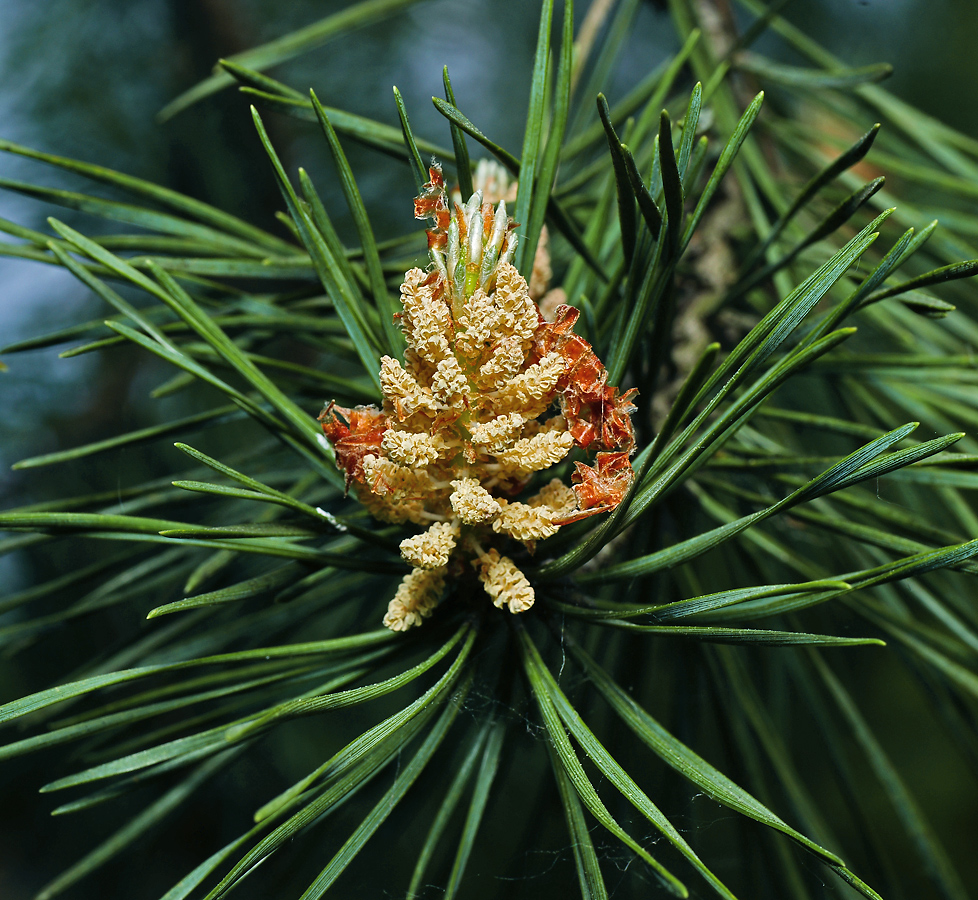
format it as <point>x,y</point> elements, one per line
<point>88,82</point>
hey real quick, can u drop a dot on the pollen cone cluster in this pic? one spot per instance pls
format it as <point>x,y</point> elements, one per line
<point>488,396</point>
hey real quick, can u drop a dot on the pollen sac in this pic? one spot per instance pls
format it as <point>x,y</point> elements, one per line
<point>472,503</point>
<point>489,394</point>
<point>432,548</point>
<point>505,584</point>
<point>415,599</point>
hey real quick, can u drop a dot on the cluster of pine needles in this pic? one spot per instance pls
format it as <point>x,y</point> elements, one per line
<point>800,526</point>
